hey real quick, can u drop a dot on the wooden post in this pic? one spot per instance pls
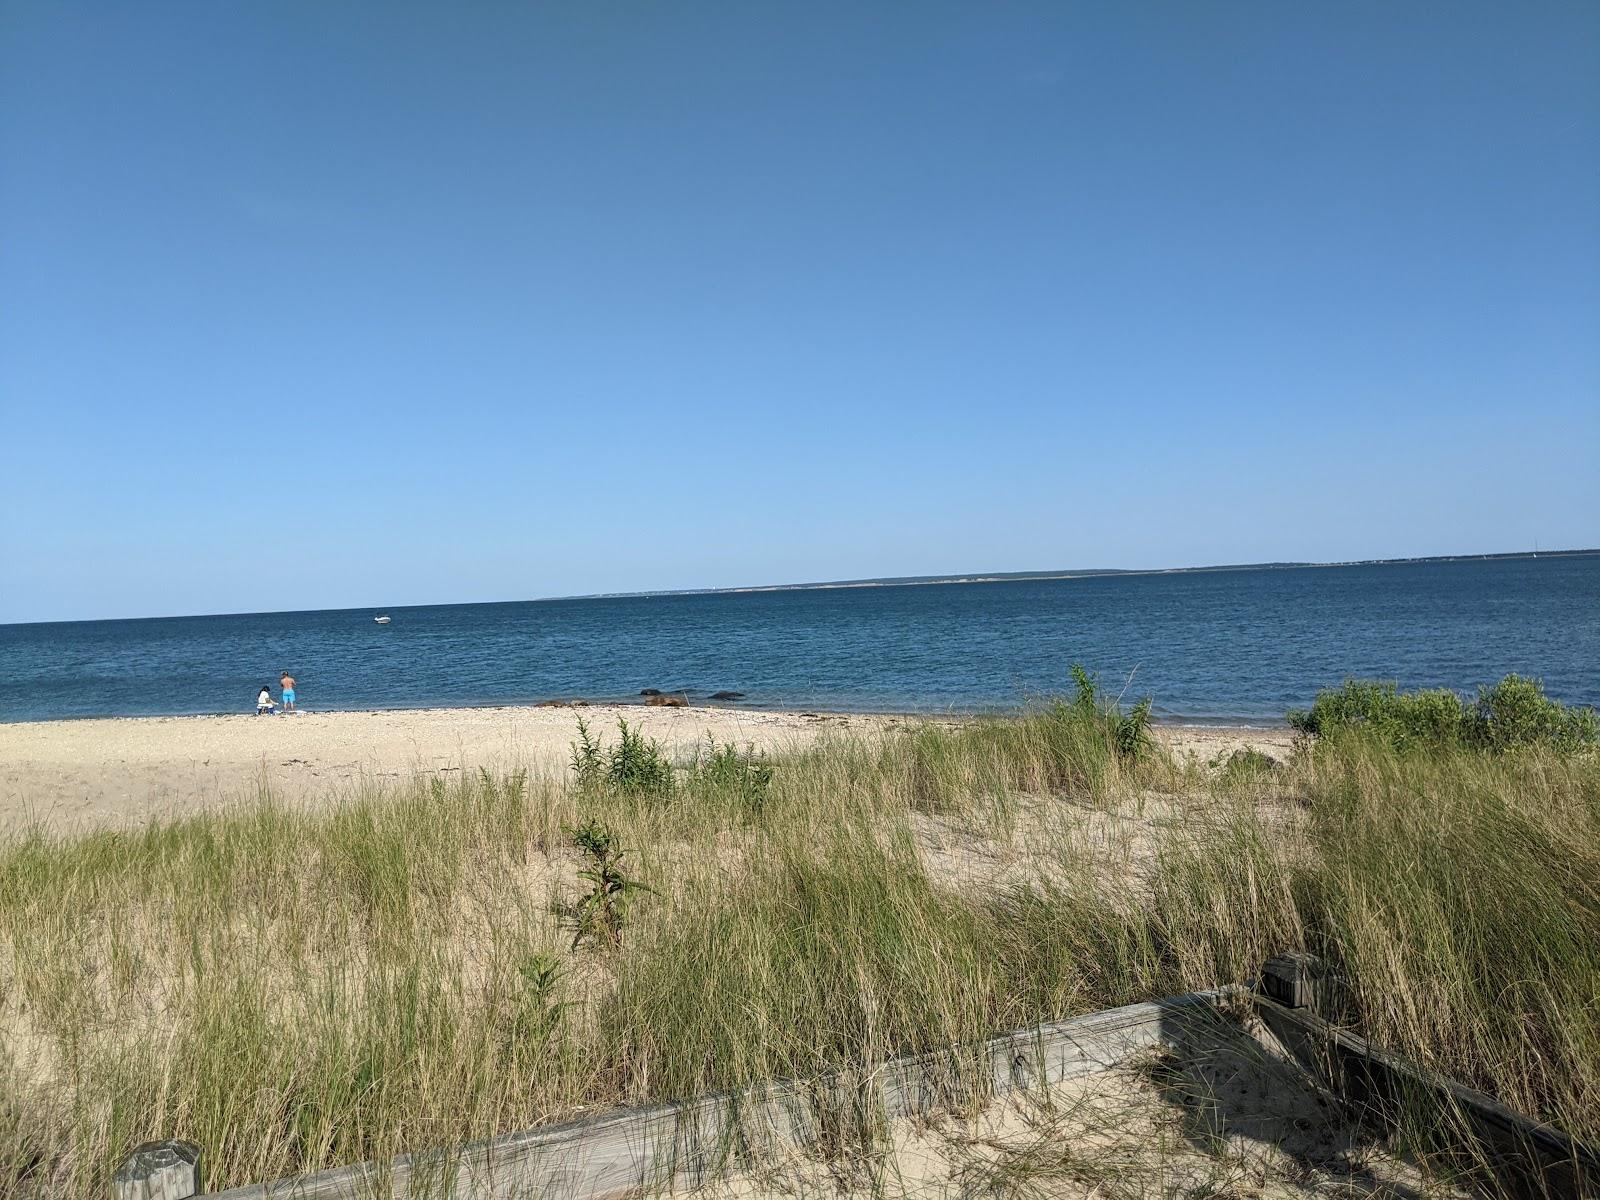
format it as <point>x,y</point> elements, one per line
<point>1294,980</point>
<point>167,1170</point>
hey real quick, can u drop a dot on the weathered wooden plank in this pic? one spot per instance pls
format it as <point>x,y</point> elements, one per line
<point>1528,1158</point>
<point>685,1144</point>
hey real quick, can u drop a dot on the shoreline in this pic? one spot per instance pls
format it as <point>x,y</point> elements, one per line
<point>1158,720</point>
<point>84,774</point>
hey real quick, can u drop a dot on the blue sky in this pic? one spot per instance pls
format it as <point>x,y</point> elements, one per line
<point>373,304</point>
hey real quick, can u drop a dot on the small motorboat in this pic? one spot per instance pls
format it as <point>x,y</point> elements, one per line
<point>381,620</point>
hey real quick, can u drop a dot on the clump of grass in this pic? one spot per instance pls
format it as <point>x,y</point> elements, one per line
<point>835,952</point>
<point>1463,897</point>
<point>1085,746</point>
<point>813,960</point>
<point>1514,714</point>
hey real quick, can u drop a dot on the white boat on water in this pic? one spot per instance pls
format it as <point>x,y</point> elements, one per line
<point>381,620</point>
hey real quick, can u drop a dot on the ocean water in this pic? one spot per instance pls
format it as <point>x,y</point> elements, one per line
<point>1238,645</point>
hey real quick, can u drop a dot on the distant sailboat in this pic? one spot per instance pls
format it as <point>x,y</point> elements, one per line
<point>381,620</point>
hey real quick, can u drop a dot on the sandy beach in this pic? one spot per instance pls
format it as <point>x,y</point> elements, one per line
<point>122,772</point>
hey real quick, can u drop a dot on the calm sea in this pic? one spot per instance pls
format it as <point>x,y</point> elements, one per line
<point>1218,646</point>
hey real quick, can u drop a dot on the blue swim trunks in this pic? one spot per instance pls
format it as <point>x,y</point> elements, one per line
<point>288,695</point>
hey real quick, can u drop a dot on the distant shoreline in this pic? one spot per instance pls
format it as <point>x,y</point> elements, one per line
<point>972,577</point>
<point>1087,573</point>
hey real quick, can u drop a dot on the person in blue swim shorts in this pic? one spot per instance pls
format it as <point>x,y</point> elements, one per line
<point>287,681</point>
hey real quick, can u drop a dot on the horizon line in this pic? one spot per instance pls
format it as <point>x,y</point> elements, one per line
<point>885,581</point>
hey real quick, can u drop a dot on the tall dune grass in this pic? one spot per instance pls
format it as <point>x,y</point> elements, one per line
<point>296,990</point>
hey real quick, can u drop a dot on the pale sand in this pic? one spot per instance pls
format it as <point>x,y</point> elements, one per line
<point>1237,1119</point>
<point>96,774</point>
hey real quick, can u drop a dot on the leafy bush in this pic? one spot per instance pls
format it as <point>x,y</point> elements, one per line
<point>1403,719</point>
<point>1514,713</point>
<point>1131,730</point>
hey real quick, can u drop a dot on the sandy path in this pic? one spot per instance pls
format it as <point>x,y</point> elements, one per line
<point>73,775</point>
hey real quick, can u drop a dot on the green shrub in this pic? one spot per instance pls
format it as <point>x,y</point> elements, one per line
<point>1403,719</point>
<point>1513,714</point>
<point>1131,730</point>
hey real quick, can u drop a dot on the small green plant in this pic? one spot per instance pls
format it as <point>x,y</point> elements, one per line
<point>636,765</point>
<point>588,763</point>
<point>1087,697</point>
<point>1129,732</point>
<point>539,1012</point>
<point>600,914</point>
<point>725,770</point>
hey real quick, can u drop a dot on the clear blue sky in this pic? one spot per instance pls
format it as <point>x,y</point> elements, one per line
<point>308,305</point>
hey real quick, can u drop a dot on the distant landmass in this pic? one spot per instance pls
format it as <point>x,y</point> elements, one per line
<point>1084,573</point>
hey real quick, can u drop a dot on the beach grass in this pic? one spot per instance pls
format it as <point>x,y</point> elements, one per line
<point>297,989</point>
